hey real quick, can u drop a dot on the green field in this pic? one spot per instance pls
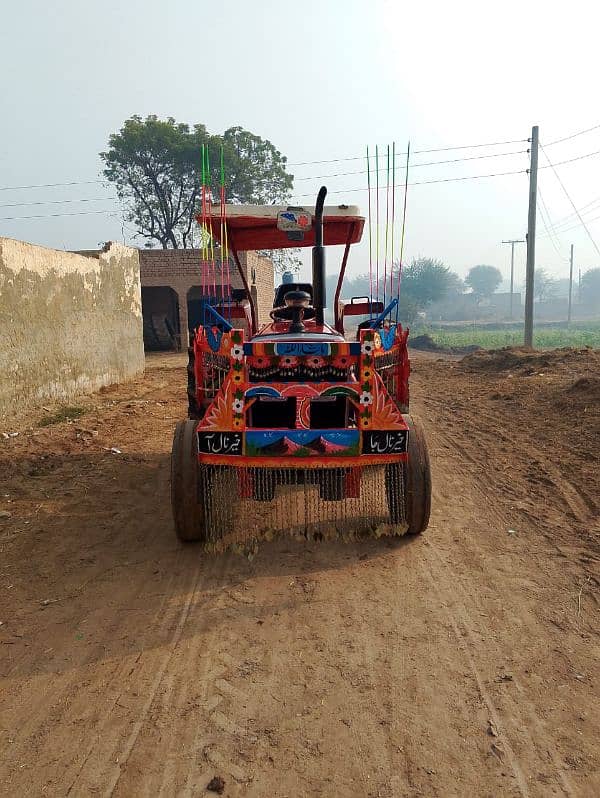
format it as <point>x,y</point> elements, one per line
<point>488,337</point>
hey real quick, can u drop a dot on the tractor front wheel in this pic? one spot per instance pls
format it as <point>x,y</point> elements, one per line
<point>417,479</point>
<point>188,512</point>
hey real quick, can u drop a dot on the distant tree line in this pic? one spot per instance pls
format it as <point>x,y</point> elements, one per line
<point>424,281</point>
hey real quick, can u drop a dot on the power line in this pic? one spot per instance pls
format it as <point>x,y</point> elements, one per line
<point>417,152</point>
<point>570,216</point>
<point>568,196</point>
<point>413,166</point>
<point>573,135</point>
<point>544,214</point>
<point>52,215</point>
<point>427,182</point>
<point>340,191</point>
<point>53,185</point>
<point>575,226</point>
<point>342,160</point>
<point>448,149</point>
<point>571,160</point>
<point>56,202</point>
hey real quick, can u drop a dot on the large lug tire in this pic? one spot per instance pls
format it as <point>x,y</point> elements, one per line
<point>417,479</point>
<point>188,512</point>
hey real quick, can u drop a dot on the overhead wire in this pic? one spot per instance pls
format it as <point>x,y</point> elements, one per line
<point>575,226</point>
<point>568,196</point>
<point>548,225</point>
<point>571,160</point>
<point>334,160</point>
<point>343,160</point>
<point>52,185</point>
<point>427,182</point>
<point>567,220</point>
<point>53,215</point>
<point>56,202</point>
<point>573,135</point>
<point>449,149</point>
<point>415,152</point>
<point>430,163</point>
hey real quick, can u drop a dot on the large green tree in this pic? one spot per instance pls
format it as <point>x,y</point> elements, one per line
<point>154,165</point>
<point>590,285</point>
<point>544,286</point>
<point>426,280</point>
<point>483,280</point>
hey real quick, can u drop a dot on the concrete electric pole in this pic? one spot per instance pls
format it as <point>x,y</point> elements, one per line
<point>530,272</point>
<point>512,268</point>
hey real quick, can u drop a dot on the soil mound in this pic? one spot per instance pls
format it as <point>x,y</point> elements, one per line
<point>530,361</point>
<point>425,343</point>
<point>585,389</point>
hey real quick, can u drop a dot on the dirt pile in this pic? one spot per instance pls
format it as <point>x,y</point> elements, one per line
<point>587,388</point>
<point>530,361</point>
<point>425,343</point>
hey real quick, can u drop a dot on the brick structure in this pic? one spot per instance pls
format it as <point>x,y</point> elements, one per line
<point>170,281</point>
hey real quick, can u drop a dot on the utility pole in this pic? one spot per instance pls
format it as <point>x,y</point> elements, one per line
<point>570,286</point>
<point>530,272</point>
<point>512,268</point>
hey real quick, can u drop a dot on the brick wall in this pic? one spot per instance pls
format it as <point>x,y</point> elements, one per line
<point>180,269</point>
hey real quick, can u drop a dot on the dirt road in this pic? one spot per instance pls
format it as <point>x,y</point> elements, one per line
<point>463,663</point>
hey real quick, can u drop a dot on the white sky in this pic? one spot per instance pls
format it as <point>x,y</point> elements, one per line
<point>321,80</point>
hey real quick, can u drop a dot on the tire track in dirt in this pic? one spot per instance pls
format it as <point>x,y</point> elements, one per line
<point>111,749</point>
<point>544,480</point>
<point>517,718</point>
<point>199,706</point>
<point>521,716</point>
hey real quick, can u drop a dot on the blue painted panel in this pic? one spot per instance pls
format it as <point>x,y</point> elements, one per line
<point>388,337</point>
<point>311,442</point>
<point>299,349</point>
<point>213,338</point>
<point>262,390</point>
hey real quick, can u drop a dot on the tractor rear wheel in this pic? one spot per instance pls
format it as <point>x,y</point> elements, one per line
<point>413,478</point>
<point>188,512</point>
<point>194,410</point>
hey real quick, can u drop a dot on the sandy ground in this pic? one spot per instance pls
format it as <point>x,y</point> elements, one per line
<point>461,663</point>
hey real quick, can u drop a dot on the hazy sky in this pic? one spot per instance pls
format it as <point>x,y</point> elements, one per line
<point>321,80</point>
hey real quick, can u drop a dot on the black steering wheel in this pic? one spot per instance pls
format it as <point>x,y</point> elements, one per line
<point>287,312</point>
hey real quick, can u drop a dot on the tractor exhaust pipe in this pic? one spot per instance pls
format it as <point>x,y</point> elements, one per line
<point>318,260</point>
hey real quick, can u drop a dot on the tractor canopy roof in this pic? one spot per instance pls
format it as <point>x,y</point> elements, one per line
<point>252,227</point>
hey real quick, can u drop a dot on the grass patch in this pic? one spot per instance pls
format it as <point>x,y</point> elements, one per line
<point>62,414</point>
<point>489,337</point>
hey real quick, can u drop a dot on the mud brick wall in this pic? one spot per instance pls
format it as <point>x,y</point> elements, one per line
<point>69,324</point>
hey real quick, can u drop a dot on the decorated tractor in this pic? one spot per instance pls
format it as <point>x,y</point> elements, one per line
<point>295,427</point>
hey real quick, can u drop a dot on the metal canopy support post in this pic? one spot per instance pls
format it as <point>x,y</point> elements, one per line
<point>338,290</point>
<point>246,286</point>
<point>530,273</point>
